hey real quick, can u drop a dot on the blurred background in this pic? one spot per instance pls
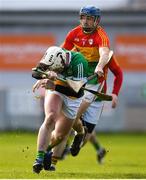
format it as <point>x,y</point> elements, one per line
<point>28,27</point>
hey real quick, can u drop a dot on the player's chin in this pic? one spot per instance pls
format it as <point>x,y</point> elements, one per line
<point>87,29</point>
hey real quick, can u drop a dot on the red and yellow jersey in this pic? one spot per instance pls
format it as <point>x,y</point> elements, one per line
<point>87,44</point>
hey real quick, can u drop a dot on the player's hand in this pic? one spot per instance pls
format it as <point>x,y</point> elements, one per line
<point>114,100</point>
<point>52,75</point>
<point>99,71</point>
<point>38,84</point>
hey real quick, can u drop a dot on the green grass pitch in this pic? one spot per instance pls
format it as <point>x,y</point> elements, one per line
<point>126,158</point>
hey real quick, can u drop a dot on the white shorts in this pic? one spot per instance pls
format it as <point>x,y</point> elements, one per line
<point>89,97</point>
<point>70,106</point>
<point>93,112</point>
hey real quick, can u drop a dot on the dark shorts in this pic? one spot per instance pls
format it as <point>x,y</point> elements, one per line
<point>90,127</point>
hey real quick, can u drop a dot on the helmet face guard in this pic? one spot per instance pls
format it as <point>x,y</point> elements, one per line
<point>90,11</point>
<point>55,59</point>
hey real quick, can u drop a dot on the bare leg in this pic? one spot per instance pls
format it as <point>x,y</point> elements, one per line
<point>53,104</point>
<point>101,152</point>
<point>78,124</point>
<point>59,138</point>
<point>58,150</point>
<point>94,141</point>
<point>62,128</point>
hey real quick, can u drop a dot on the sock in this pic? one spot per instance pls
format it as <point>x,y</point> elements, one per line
<point>54,160</point>
<point>49,148</point>
<point>40,155</point>
<point>96,146</point>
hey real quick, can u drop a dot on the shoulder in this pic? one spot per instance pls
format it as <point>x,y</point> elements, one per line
<point>76,29</point>
<point>73,32</point>
<point>102,36</point>
<point>99,28</point>
<point>101,31</point>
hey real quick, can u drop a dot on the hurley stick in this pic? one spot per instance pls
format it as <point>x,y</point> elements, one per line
<point>45,73</point>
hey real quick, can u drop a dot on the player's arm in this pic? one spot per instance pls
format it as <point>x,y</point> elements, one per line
<point>104,50</point>
<point>41,72</point>
<point>118,75</point>
<point>118,79</point>
<point>37,74</point>
<point>103,60</point>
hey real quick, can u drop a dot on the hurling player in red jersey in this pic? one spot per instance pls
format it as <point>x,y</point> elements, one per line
<point>91,40</point>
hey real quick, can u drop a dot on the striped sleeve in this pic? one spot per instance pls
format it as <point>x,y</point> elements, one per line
<point>118,75</point>
<point>103,38</point>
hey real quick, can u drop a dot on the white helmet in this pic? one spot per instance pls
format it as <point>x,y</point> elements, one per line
<point>54,58</point>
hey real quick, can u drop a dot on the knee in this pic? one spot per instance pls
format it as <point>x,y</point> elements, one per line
<point>58,136</point>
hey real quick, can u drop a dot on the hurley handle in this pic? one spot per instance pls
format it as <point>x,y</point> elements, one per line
<point>92,77</point>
